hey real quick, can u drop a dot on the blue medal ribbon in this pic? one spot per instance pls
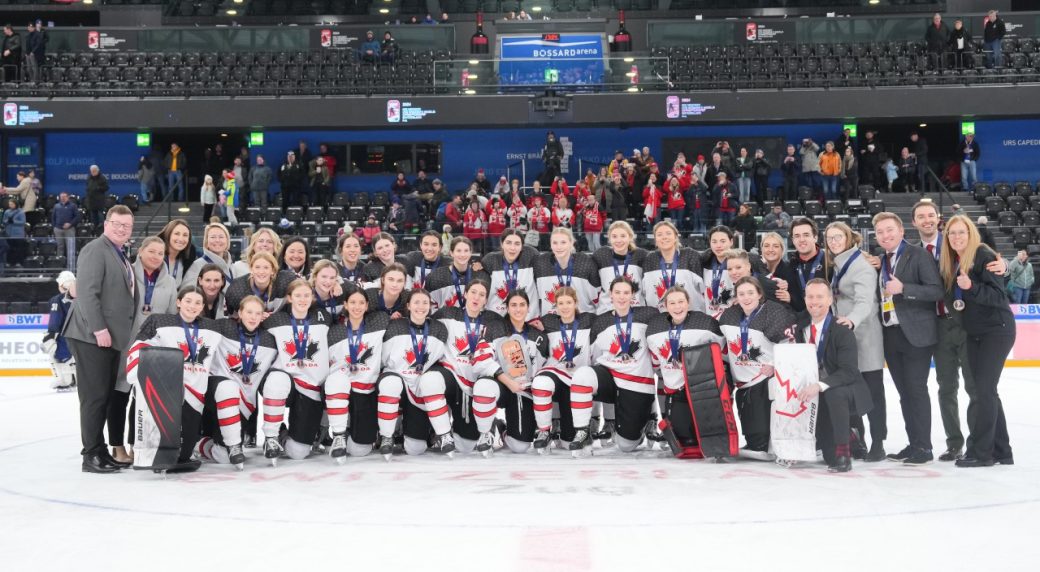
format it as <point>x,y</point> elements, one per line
<point>472,334</point>
<point>300,341</point>
<point>569,343</point>
<point>669,270</point>
<point>624,271</point>
<point>419,346</point>
<point>424,270</point>
<point>190,337</point>
<point>624,337</point>
<point>227,277</point>
<point>958,293</point>
<point>460,286</point>
<point>263,295</point>
<point>886,269</point>
<point>354,343</point>
<point>559,272</point>
<point>675,341</point>
<point>149,289</point>
<point>836,279</point>
<point>347,274</point>
<point>745,323</point>
<point>127,268</point>
<point>716,277</point>
<point>819,337</point>
<point>512,274</point>
<point>248,355</point>
<point>813,267</point>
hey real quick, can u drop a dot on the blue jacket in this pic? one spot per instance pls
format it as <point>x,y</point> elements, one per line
<point>14,223</point>
<point>374,46</point>
<point>65,213</point>
<point>59,312</point>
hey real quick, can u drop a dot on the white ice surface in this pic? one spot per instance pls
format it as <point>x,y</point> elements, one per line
<point>643,511</point>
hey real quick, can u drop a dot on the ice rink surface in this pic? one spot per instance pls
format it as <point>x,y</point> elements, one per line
<point>642,511</point>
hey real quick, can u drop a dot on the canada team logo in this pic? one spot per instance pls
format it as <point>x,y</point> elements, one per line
<point>201,353</point>
<point>413,359</point>
<point>615,347</point>
<point>364,352</point>
<point>559,353</point>
<point>550,296</point>
<point>291,348</point>
<point>753,352</point>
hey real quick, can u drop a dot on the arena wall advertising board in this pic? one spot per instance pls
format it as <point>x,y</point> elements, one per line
<point>21,345</point>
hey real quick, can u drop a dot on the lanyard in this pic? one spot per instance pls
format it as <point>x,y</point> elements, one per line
<point>522,332</point>
<point>329,305</point>
<point>384,308</point>
<point>424,270</point>
<point>149,289</point>
<point>512,272</point>
<point>674,340</point>
<point>227,277</point>
<point>836,279</point>
<point>173,271</point>
<point>559,272</point>
<point>820,335</point>
<point>129,270</point>
<point>669,270</point>
<point>745,323</point>
<point>624,271</point>
<point>624,337</point>
<point>265,293</point>
<point>419,346</point>
<point>716,278</point>
<point>887,268</point>
<point>347,274</point>
<point>958,294</point>
<point>248,355</point>
<point>938,245</point>
<point>300,338</point>
<point>472,334</point>
<point>569,343</point>
<point>354,342</point>
<point>190,337</point>
<point>813,267</point>
<point>459,285</point>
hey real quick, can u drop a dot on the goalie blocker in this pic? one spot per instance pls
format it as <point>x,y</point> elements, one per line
<point>698,422</point>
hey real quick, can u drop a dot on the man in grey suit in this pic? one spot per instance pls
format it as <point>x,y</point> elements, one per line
<point>909,288</point>
<point>98,330</point>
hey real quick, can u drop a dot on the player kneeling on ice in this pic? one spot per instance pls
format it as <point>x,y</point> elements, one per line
<point>300,333</point>
<point>411,346</point>
<point>241,368</point>
<point>621,372</point>
<point>355,351</point>
<point>841,389</point>
<point>62,363</point>
<point>513,353</point>
<point>157,392</point>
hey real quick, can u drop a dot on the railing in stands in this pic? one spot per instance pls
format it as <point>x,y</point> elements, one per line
<point>166,200</point>
<point>944,192</point>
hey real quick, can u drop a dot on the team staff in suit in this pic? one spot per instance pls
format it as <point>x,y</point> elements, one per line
<point>99,328</point>
<point>841,388</point>
<point>990,328</point>
<point>909,287</point>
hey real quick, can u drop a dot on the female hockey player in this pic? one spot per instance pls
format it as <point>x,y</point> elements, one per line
<point>718,288</point>
<point>295,257</point>
<point>447,284</point>
<point>63,365</point>
<point>411,346</point>
<point>427,259</point>
<point>328,292</point>
<point>511,270</point>
<point>669,266</point>
<point>211,280</point>
<point>752,327</point>
<point>263,240</point>
<point>351,268</point>
<point>263,281</point>
<point>355,352</point>
<point>389,298</point>
<point>620,258</point>
<point>565,267</point>
<point>384,253</point>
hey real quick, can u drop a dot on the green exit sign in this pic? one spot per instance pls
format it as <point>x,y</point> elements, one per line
<point>256,139</point>
<point>851,127</point>
<point>144,139</point>
<point>24,151</point>
<point>967,127</point>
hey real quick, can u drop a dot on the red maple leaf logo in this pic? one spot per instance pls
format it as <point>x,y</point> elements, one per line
<point>662,288</point>
<point>502,292</point>
<point>234,361</point>
<point>615,346</point>
<point>410,356</point>
<point>462,345</point>
<point>551,294</point>
<point>290,348</point>
<point>184,348</point>
<point>665,352</point>
<point>452,302</point>
<point>734,348</point>
<point>558,352</point>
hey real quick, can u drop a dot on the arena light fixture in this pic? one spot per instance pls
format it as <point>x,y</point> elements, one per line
<point>874,2</point>
<point>632,89</point>
<point>232,12</point>
<point>923,125</point>
<point>384,10</point>
<point>629,60</point>
<point>238,1</point>
<point>473,76</point>
<point>536,8</point>
<point>630,74</point>
<point>88,1</point>
<point>474,62</point>
<point>470,92</point>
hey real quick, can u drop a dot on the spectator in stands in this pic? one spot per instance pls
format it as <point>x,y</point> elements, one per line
<point>33,39</point>
<point>676,201</point>
<point>652,198</point>
<point>760,169</point>
<point>985,234</point>
<point>291,177</point>
<point>260,181</point>
<point>429,19</point>
<point>208,197</point>
<point>453,213</point>
<point>726,154</point>
<point>592,218</point>
<point>724,200</point>
<point>440,195</point>
<point>240,170</point>
<point>146,179</point>
<point>616,193</point>
<point>12,244</point>
<point>444,18</point>
<point>791,168</point>
<point>743,166</point>
<point>482,181</point>
<point>23,191</point>
<point>849,175</point>
<point>176,167</point>
<point>321,181</point>
<point>552,158</point>
<point>97,190</point>
<point>64,219</point>
<point>711,175</point>
<point>11,50</point>
<point>523,16</point>
<point>920,151</point>
<point>700,168</point>
<point>502,187</point>
<point>395,217</point>
<point>1020,278</point>
<point>844,141</point>
<point>830,170</point>
<point>474,224</point>
<point>210,164</point>
<point>746,224</point>
<point>969,156</point>
<point>961,45</point>
<point>697,203</point>
<point>890,171</point>
<point>907,166</point>
<point>992,35</point>
<point>370,48</point>
<point>423,186</point>
<point>936,37</point>
<point>389,49</point>
<point>810,153</point>
<point>777,220</point>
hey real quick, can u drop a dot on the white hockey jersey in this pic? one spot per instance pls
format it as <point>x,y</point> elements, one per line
<point>665,353</point>
<point>199,341</point>
<point>410,359</point>
<point>611,266</point>
<point>245,357</point>
<point>771,325</point>
<point>303,349</point>
<point>683,270</point>
<point>518,275</point>
<point>580,273</point>
<point>632,370</point>
<point>362,349</point>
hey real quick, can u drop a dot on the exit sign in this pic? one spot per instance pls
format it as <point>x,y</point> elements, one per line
<point>851,127</point>
<point>967,127</point>
<point>23,151</point>
<point>144,139</point>
<point>256,139</point>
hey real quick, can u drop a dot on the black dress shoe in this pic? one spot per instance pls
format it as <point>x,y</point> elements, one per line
<point>841,464</point>
<point>877,452</point>
<point>95,463</point>
<point>972,462</point>
<point>857,446</point>
<point>951,455</point>
<point>919,457</point>
<point>111,460</point>
<point>1009,460</point>
<point>902,455</point>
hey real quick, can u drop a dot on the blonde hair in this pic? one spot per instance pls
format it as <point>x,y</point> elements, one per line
<point>319,266</point>
<point>567,291</point>
<point>249,300</point>
<point>676,290</point>
<point>211,226</point>
<point>852,240</point>
<point>779,239</point>
<point>967,260</point>
<point>736,253</point>
<point>270,259</point>
<point>666,223</point>
<point>247,255</point>
<point>622,225</point>
<point>881,216</point>
<point>564,231</point>
<point>296,285</point>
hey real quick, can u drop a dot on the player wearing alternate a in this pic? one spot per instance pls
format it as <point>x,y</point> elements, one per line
<point>427,259</point>
<point>384,253</point>
<point>263,281</point>
<point>411,346</point>
<point>390,297</point>
<point>198,339</point>
<point>620,258</point>
<point>670,266</point>
<point>512,355</point>
<point>301,334</point>
<point>447,284</point>
<point>511,269</point>
<point>621,372</point>
<point>355,352</point>
<point>351,269</point>
<point>569,336</point>
<point>328,292</point>
<point>718,288</point>
<point>752,327</point>
<point>565,267</point>
<point>242,365</point>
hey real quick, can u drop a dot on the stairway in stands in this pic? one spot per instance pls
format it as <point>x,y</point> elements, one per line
<point>902,203</point>
<point>163,214</point>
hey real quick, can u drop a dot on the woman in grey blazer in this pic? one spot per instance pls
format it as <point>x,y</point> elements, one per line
<point>854,284</point>
<point>158,295</point>
<point>216,241</point>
